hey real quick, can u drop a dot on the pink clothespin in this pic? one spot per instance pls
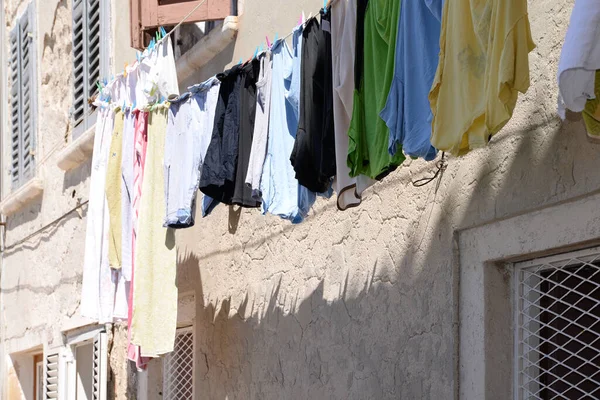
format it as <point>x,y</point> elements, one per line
<point>268,42</point>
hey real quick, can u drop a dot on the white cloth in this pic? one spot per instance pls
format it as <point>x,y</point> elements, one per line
<point>580,57</point>
<point>162,79</point>
<point>343,31</point>
<point>260,135</point>
<point>99,286</point>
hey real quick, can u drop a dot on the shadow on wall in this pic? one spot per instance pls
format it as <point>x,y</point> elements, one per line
<point>390,331</point>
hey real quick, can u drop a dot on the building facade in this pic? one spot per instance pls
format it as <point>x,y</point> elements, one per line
<point>479,288</point>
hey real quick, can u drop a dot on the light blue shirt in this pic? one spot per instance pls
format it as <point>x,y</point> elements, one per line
<point>407,112</point>
<point>281,193</point>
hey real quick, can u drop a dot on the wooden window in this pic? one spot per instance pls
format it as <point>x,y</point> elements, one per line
<point>90,58</point>
<point>147,15</point>
<point>22,99</point>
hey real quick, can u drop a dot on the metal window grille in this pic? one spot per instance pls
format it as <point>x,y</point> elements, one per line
<point>90,58</point>
<point>178,368</point>
<point>557,320</point>
<point>22,98</point>
<point>51,375</point>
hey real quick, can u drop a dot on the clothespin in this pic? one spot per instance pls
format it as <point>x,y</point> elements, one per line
<point>138,56</point>
<point>99,86</point>
<point>275,40</point>
<point>133,105</point>
<point>124,106</point>
<point>125,70</point>
<point>301,20</point>
<point>255,53</point>
<point>303,17</point>
<point>240,61</point>
<point>163,31</point>
<point>324,6</point>
<point>268,43</point>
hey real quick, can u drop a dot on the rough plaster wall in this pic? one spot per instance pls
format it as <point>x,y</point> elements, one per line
<point>359,304</point>
<point>41,278</point>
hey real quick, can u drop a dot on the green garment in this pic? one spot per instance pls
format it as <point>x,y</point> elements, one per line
<point>369,135</point>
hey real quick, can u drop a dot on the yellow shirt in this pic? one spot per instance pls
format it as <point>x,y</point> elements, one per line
<point>113,192</point>
<point>484,46</point>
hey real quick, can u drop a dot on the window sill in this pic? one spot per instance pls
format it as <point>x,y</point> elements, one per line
<point>78,151</point>
<point>22,196</point>
<point>207,48</point>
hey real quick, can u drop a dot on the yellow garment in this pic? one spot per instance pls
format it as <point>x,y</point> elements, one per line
<point>591,112</point>
<point>154,319</point>
<point>113,192</point>
<point>484,46</point>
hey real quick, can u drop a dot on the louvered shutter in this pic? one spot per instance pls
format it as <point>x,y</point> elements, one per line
<point>100,367</point>
<point>88,59</point>
<point>22,101</point>
<point>148,14</point>
<point>27,97</point>
<point>51,359</point>
<point>15,105</point>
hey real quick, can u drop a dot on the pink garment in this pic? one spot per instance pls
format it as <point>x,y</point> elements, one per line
<point>139,159</point>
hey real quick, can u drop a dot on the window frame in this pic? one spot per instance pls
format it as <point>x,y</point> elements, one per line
<point>89,116</point>
<point>147,15</point>
<point>23,175</point>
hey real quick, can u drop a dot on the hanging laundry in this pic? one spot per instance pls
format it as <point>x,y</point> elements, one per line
<point>483,64</point>
<point>377,25</point>
<point>101,298</point>
<point>242,194</point>
<point>261,126</point>
<point>313,156</point>
<point>407,112</point>
<point>161,81</point>
<point>580,57</point>
<point>189,130</point>
<point>281,193</point>
<point>113,192</point>
<point>139,161</point>
<point>154,315</point>
<point>343,41</point>
<point>127,173</point>
<point>591,112</point>
<point>219,168</point>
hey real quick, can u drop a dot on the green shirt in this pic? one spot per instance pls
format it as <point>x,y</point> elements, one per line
<point>369,135</point>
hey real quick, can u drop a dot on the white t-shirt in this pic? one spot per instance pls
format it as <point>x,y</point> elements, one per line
<point>580,57</point>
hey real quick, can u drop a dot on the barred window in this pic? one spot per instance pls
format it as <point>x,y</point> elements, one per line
<point>178,368</point>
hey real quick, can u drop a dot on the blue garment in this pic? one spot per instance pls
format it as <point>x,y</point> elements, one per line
<point>208,205</point>
<point>407,112</point>
<point>281,193</point>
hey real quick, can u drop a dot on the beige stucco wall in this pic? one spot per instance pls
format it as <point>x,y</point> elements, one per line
<point>362,304</point>
<point>358,304</point>
<point>41,277</point>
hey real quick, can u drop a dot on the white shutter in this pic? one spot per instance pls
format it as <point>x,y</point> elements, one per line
<point>51,359</point>
<point>100,367</point>
<point>89,59</point>
<point>22,101</point>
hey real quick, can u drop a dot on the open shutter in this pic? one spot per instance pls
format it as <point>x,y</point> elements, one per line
<point>88,63</point>
<point>15,104</point>
<point>27,96</point>
<point>149,14</point>
<point>100,367</point>
<point>22,99</point>
<point>51,375</point>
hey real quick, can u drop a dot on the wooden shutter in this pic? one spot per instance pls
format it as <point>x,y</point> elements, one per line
<point>149,14</point>
<point>100,367</point>
<point>22,99</point>
<point>51,359</point>
<point>88,63</point>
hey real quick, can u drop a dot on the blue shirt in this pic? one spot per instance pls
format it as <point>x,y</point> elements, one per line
<point>407,112</point>
<point>281,193</point>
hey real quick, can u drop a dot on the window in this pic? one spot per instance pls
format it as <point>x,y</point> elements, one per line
<point>22,99</point>
<point>178,367</point>
<point>557,337</point>
<point>90,58</point>
<point>38,377</point>
<point>147,15</point>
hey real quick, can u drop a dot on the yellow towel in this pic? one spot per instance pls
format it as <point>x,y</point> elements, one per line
<point>113,192</point>
<point>154,318</point>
